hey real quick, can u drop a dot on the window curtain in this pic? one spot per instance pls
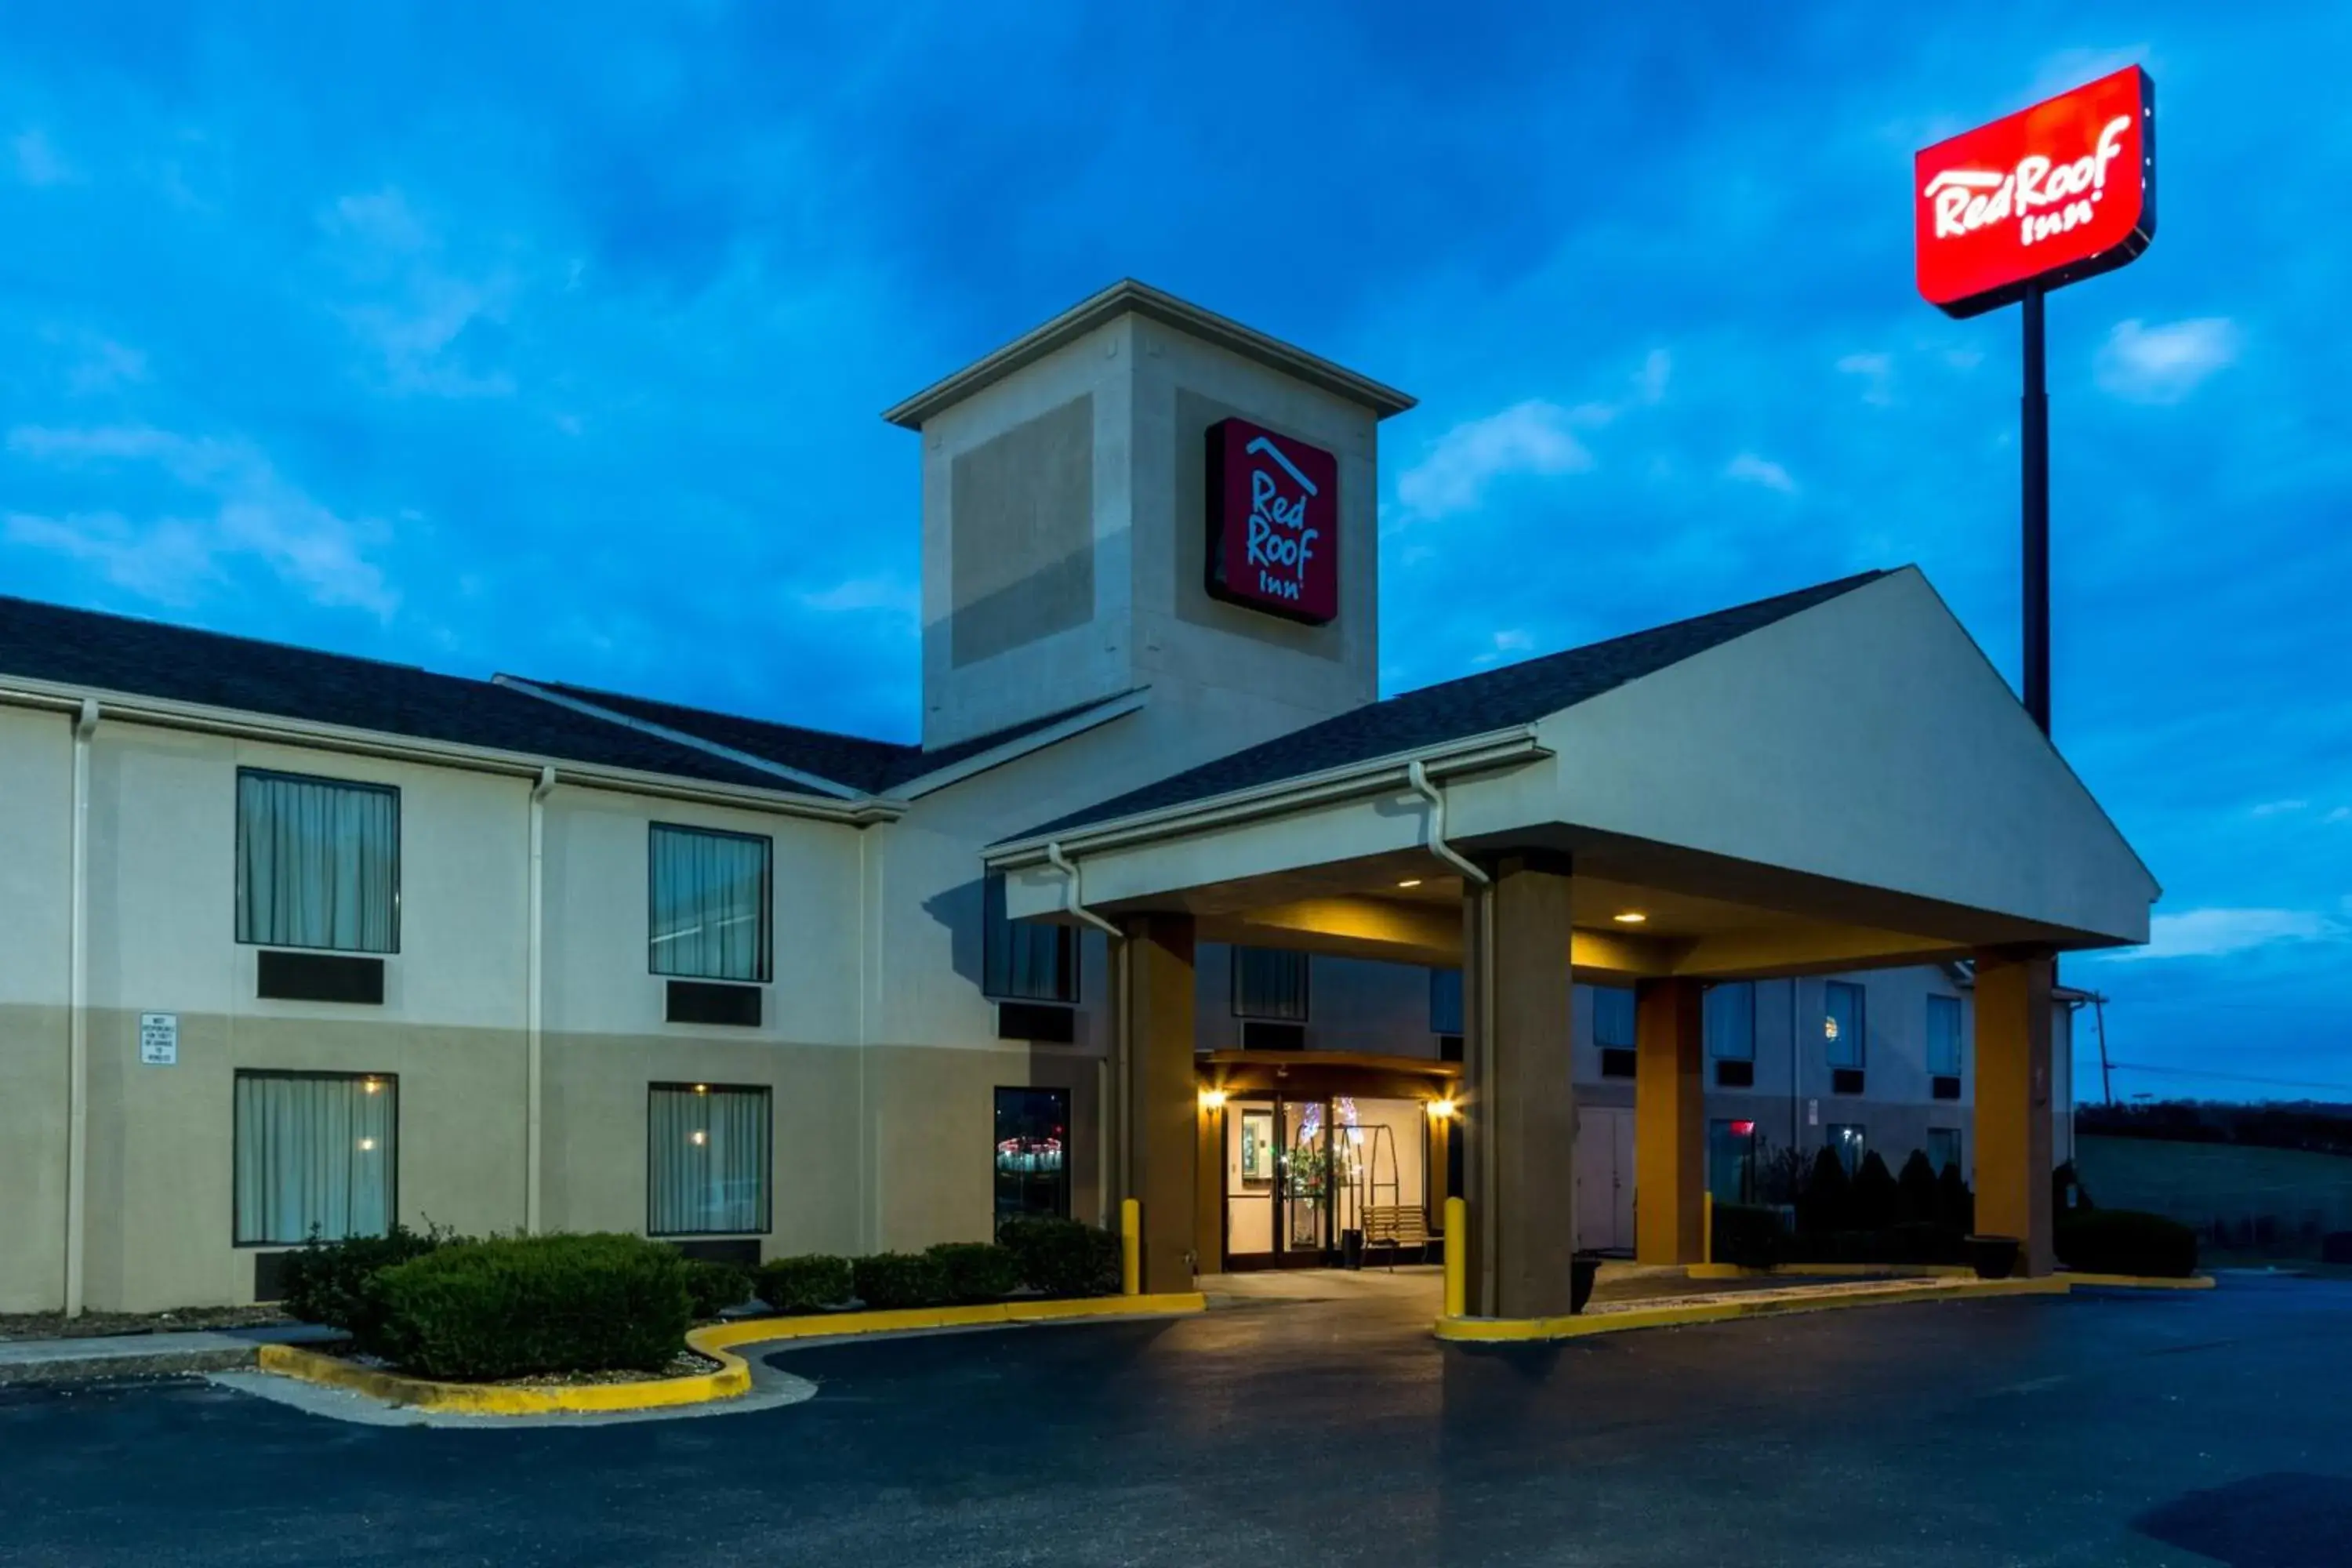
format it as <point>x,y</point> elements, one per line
<point>1446,1002</point>
<point>314,1154</point>
<point>1613,1018</point>
<point>1270,982</point>
<point>1027,962</point>
<point>1944,1035</point>
<point>709,905</point>
<point>1943,1147</point>
<point>1728,1014</point>
<point>708,1158</point>
<point>317,864</point>
<point>1842,1024</point>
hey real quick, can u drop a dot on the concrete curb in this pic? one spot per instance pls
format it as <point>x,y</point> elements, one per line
<point>132,1361</point>
<point>2137,1281</point>
<point>1830,1271</point>
<point>1506,1330</point>
<point>717,1341</point>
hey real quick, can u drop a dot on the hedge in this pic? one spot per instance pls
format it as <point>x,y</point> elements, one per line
<point>2125,1241</point>
<point>516,1306</point>
<point>712,1287</point>
<point>326,1282</point>
<point>1747,1235</point>
<point>806,1284</point>
<point>977,1270</point>
<point>1062,1256</point>
<point>891,1280</point>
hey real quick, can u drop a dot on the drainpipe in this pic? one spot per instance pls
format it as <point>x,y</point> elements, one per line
<point>1417,776</point>
<point>534,1003</point>
<point>78,1013</point>
<point>1070,900</point>
<point>1113,1183</point>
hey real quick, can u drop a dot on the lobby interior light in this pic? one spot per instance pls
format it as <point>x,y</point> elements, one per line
<point>1630,917</point>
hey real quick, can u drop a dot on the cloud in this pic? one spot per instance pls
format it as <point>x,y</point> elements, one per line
<point>1877,374</point>
<point>438,331</point>
<point>2141,363</point>
<point>1749,469</point>
<point>2341,814</point>
<point>2279,807</point>
<point>1650,381</point>
<point>2209,933</point>
<point>1532,438</point>
<point>857,594</point>
<point>39,163</point>
<point>256,513</point>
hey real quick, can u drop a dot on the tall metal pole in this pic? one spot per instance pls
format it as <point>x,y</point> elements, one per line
<point>2035,441</point>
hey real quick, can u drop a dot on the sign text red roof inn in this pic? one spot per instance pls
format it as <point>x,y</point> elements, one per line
<point>2048,195</point>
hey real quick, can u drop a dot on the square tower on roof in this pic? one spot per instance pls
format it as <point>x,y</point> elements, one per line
<point>1141,493</point>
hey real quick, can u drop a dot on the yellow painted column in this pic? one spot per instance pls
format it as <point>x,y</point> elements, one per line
<point>1669,1122</point>
<point>1156,1009</point>
<point>2013,1106</point>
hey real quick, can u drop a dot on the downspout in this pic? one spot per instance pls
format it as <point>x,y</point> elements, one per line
<point>78,1013</point>
<point>1417,776</point>
<point>1112,1184</point>
<point>534,1004</point>
<point>1070,900</point>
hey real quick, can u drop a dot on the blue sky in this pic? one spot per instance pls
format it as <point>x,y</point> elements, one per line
<point>448,335</point>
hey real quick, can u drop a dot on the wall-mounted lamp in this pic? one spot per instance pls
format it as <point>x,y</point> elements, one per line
<point>1213,1099</point>
<point>1442,1110</point>
<point>1631,918</point>
<point>1410,882</point>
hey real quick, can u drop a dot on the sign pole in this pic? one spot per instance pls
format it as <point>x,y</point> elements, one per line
<point>2035,441</point>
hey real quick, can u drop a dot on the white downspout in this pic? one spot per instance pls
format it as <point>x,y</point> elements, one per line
<point>534,1004</point>
<point>78,1013</point>
<point>1418,777</point>
<point>1070,900</point>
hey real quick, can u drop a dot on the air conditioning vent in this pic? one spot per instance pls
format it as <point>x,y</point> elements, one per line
<point>708,1001</point>
<point>1617,1061</point>
<point>1037,1023</point>
<point>1449,1047</point>
<point>1735,1075</point>
<point>1259,1036</point>
<point>1947,1088</point>
<point>320,977</point>
<point>1845,1080</point>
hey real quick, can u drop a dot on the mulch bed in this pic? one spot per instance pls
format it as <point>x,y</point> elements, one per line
<point>104,1325</point>
<point>686,1363</point>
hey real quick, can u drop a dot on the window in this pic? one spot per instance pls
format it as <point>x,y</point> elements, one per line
<point>314,1153</point>
<point>1024,963</point>
<point>1033,1140</point>
<point>1612,1030</point>
<point>318,863</point>
<point>709,895</point>
<point>1446,1002</point>
<point>1846,1138</point>
<point>706,1160</point>
<point>1729,1017</point>
<point>1842,1024</point>
<point>1731,1161</point>
<point>1944,1148</point>
<point>1270,982</point>
<point>1944,1035</point>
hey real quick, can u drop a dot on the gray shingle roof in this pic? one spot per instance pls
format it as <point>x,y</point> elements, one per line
<point>1474,705</point>
<point>147,658</point>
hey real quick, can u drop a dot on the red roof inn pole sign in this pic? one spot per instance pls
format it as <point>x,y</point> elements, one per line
<point>1274,522</point>
<point>2048,196</point>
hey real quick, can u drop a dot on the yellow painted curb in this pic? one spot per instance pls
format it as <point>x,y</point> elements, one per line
<point>1494,1330</point>
<point>1830,1271</point>
<point>716,1340</point>
<point>2141,1282</point>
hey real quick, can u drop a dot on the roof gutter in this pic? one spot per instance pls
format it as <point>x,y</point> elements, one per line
<point>1417,775</point>
<point>1355,781</point>
<point>163,713</point>
<point>1070,899</point>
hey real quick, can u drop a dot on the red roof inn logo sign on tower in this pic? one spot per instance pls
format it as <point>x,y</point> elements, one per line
<point>1274,522</point>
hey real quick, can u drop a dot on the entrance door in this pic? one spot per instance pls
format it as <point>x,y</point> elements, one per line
<point>1279,1183</point>
<point>1604,1178</point>
<point>1306,1185</point>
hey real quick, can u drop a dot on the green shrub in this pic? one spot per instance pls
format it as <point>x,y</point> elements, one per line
<point>1062,1256</point>
<point>1827,1203</point>
<point>1924,1241</point>
<point>1878,1200</point>
<point>1955,1206</point>
<point>977,1270</point>
<point>326,1282</point>
<point>712,1287</point>
<point>806,1284</point>
<point>1747,1235</point>
<point>2125,1241</point>
<point>889,1280</point>
<point>1916,1183</point>
<point>514,1306</point>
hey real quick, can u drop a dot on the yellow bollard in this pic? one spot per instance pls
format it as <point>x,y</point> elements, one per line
<point>1457,1258</point>
<point>1706,1227</point>
<point>1130,1247</point>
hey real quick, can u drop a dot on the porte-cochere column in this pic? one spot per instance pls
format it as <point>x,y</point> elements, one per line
<point>2012,1121</point>
<point>1669,1122</point>
<point>1158,1094</point>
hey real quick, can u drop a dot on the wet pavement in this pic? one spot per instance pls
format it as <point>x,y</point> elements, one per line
<point>2099,1428</point>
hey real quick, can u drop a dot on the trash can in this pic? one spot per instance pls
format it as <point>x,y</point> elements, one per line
<point>1351,1249</point>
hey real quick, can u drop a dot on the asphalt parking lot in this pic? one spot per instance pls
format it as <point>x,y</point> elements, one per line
<point>2160,1428</point>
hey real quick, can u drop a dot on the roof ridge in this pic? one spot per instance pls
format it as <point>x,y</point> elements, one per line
<point>593,693</point>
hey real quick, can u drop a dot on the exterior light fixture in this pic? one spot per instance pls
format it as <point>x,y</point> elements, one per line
<point>1213,1099</point>
<point>1631,918</point>
<point>1442,1110</point>
<point>1410,882</point>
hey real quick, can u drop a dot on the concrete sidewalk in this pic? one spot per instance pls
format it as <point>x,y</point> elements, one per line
<point>146,1355</point>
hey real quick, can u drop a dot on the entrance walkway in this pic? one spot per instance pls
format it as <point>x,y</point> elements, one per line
<point>1422,1287</point>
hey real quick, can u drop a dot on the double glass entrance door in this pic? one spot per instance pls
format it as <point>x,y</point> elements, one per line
<point>1281,1180</point>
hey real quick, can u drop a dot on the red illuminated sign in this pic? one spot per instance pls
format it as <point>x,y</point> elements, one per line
<point>1274,522</point>
<point>2049,196</point>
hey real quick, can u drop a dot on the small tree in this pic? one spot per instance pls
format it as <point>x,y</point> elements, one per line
<point>1956,1207</point>
<point>1917,1181</point>
<point>1827,1202</point>
<point>1878,1200</point>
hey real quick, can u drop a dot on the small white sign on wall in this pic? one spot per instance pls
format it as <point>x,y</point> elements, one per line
<point>1812,1113</point>
<point>159,1039</point>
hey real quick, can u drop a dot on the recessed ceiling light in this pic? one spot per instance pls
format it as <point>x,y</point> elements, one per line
<point>1410,882</point>
<point>1632,918</point>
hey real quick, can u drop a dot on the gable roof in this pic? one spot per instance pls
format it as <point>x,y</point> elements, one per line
<point>89,648</point>
<point>1454,710</point>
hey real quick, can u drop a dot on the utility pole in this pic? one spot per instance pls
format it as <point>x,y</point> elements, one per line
<point>2035,463</point>
<point>2106,1078</point>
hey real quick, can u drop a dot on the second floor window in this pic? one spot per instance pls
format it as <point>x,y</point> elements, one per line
<point>1023,960</point>
<point>1613,1018</point>
<point>318,863</point>
<point>709,914</point>
<point>1729,1016</point>
<point>1944,1035</point>
<point>1841,1023</point>
<point>1444,1001</point>
<point>1270,982</point>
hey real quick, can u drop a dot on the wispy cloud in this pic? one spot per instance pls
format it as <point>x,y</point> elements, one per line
<point>1535,437</point>
<point>2141,363</point>
<point>2211,933</point>
<point>1876,372</point>
<point>39,164</point>
<point>856,596</point>
<point>435,328</point>
<point>1750,469</point>
<point>255,511</point>
<point>2279,807</point>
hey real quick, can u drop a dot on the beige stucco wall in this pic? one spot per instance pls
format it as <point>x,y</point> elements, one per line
<point>36,785</point>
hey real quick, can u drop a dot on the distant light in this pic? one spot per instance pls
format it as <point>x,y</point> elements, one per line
<point>699,1137</point>
<point>367,1145</point>
<point>1443,1110</point>
<point>1829,1028</point>
<point>1410,882</point>
<point>369,1085</point>
<point>1743,1130</point>
<point>702,1088</point>
<point>1631,918</point>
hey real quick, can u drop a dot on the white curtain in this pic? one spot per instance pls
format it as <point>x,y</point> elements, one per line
<point>1028,962</point>
<point>707,1167</point>
<point>1729,1016</point>
<point>709,904</point>
<point>314,1153</point>
<point>317,864</point>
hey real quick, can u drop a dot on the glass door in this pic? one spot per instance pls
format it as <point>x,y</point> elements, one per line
<point>1253,1165</point>
<point>1303,1228</point>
